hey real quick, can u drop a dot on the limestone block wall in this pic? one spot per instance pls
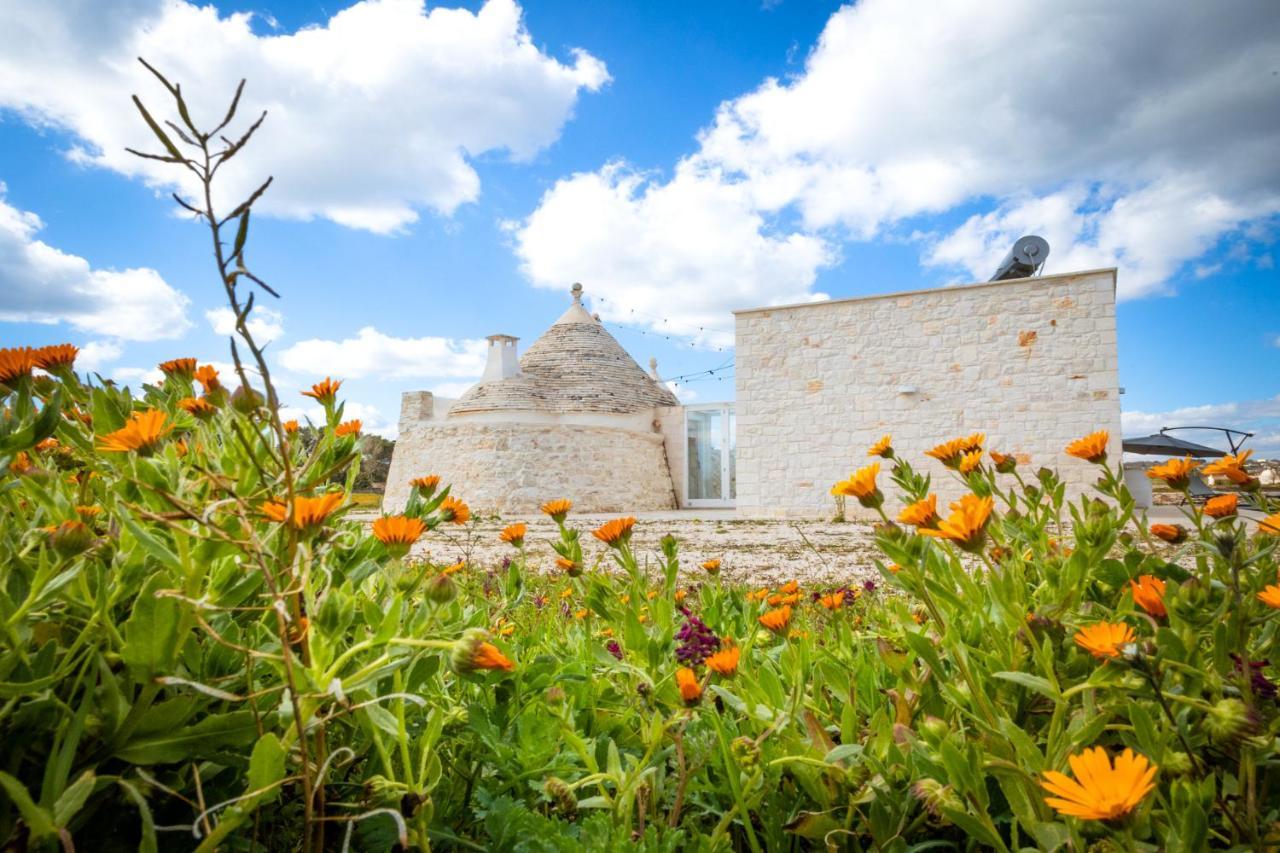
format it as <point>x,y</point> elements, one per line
<point>1030,362</point>
<point>515,467</point>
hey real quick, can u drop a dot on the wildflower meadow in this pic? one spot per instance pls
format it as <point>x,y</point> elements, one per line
<point>199,651</point>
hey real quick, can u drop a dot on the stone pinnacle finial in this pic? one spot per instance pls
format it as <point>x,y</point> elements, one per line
<point>653,367</point>
<point>576,290</point>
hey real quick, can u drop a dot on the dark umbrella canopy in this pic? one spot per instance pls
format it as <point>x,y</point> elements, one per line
<point>1166,445</point>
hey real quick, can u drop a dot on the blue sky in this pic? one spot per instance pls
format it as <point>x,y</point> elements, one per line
<point>443,175</point>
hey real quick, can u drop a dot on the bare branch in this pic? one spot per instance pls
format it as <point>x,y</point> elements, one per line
<point>161,157</point>
<point>247,203</point>
<point>234,147</point>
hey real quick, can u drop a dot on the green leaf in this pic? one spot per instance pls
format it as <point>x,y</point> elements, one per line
<point>151,634</point>
<point>73,799</point>
<point>37,819</point>
<point>205,738</point>
<point>1031,682</point>
<point>147,843</point>
<point>266,768</point>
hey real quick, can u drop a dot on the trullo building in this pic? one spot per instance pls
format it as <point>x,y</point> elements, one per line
<point>575,416</point>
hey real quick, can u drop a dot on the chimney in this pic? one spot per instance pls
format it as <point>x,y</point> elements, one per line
<point>502,362</point>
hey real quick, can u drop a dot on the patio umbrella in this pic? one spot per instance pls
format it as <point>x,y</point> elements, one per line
<point>1166,445</point>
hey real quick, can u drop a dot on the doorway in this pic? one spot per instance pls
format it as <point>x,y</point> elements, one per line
<point>711,455</point>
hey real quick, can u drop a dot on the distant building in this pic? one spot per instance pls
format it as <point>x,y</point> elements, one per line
<point>1031,362</point>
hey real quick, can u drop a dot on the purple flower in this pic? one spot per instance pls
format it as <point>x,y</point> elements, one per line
<point>1263,687</point>
<point>869,586</point>
<point>614,649</point>
<point>539,601</point>
<point>697,641</point>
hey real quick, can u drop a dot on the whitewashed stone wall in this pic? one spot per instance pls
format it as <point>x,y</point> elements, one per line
<point>513,466</point>
<point>1030,362</point>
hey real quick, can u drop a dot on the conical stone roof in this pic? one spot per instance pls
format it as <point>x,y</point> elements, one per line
<point>575,366</point>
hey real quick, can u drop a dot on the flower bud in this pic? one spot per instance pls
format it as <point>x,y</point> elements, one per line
<point>473,651</point>
<point>934,729</point>
<point>336,612</point>
<point>561,796</point>
<point>935,796</point>
<point>246,400</point>
<point>441,589</point>
<point>555,694</point>
<point>1228,721</point>
<point>746,752</point>
<point>1177,763</point>
<point>70,538</point>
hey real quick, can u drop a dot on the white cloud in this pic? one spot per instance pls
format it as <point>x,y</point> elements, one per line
<point>1137,134</point>
<point>683,393</point>
<point>136,377</point>
<point>372,115</point>
<point>373,354</point>
<point>42,284</point>
<point>1262,417</point>
<point>94,355</point>
<point>265,324</point>
<point>452,390</point>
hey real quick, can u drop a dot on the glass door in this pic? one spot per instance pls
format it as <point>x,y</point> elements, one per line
<point>710,455</point>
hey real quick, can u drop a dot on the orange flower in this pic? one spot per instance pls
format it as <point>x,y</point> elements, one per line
<point>46,444</point>
<point>325,391</point>
<point>882,448</point>
<point>711,567</point>
<point>55,356</point>
<point>615,533</point>
<point>1223,506</point>
<point>967,523</point>
<point>487,656</point>
<point>570,567</point>
<point>776,620</point>
<point>725,661</point>
<point>290,427</point>
<point>1100,791</point>
<point>308,512</point>
<point>21,463</point>
<point>690,689</point>
<point>426,485</point>
<point>181,367</point>
<point>949,452</point>
<point>142,433</point>
<point>1005,464</point>
<point>974,441</point>
<point>861,485</point>
<point>514,533</point>
<point>454,569</point>
<point>832,601</point>
<point>922,513</point>
<point>791,586</point>
<point>88,511</point>
<point>1175,472</point>
<point>893,568</point>
<point>1231,467</point>
<point>557,509</point>
<point>474,651</point>
<point>197,406</point>
<point>1270,596</point>
<point>1148,593</point>
<point>1091,448</point>
<point>1270,525</point>
<point>16,362</point>
<point>679,596</point>
<point>758,595</point>
<point>207,376</point>
<point>1174,534</point>
<point>582,614</point>
<point>452,509</point>
<point>781,598</point>
<point>398,530</point>
<point>1104,639</point>
<point>970,461</point>
<point>348,428</point>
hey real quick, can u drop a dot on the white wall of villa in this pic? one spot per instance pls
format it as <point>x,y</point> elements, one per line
<point>1031,362</point>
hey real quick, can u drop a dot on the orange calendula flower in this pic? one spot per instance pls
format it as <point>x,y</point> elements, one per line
<point>398,530</point>
<point>570,567</point>
<point>1005,463</point>
<point>791,586</point>
<point>1174,534</point>
<point>967,523</point>
<point>1091,448</point>
<point>614,533</point>
<point>690,689</point>
<point>184,368</point>
<point>454,569</point>
<point>861,485</point>
<point>777,620</point>
<point>452,509</point>
<point>290,427</point>
<point>307,512</point>
<point>1270,525</point>
<point>487,656</point>
<point>513,534</point>
<point>1223,506</point>
<point>970,461</point>
<point>1231,467</point>
<point>426,485</point>
<point>1175,472</point>
<point>325,391</point>
<point>784,598</point>
<point>197,406</point>
<point>711,567</point>
<point>348,428</point>
<point>1104,639</point>
<point>758,595</point>
<point>473,651</point>
<point>557,509</point>
<point>21,463</point>
<point>893,568</point>
<point>16,362</point>
<point>142,433</point>
<point>949,452</point>
<point>47,444</point>
<point>922,513</point>
<point>679,596</point>
<point>832,601</point>
<point>207,376</point>
<point>582,614</point>
<point>725,661</point>
<point>88,511</point>
<point>1100,791</point>
<point>882,448</point>
<point>56,355</point>
<point>1270,596</point>
<point>1148,593</point>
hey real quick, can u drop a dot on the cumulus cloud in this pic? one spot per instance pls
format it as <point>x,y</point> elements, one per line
<point>95,355</point>
<point>373,115</point>
<point>1135,134</point>
<point>42,284</point>
<point>1261,417</point>
<point>264,324</point>
<point>373,354</point>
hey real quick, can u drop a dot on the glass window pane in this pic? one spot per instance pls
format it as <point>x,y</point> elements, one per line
<point>705,453</point>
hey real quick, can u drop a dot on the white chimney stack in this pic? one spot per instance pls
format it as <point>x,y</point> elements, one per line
<point>502,363</point>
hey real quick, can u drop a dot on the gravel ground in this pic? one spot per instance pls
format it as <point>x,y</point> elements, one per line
<point>756,552</point>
